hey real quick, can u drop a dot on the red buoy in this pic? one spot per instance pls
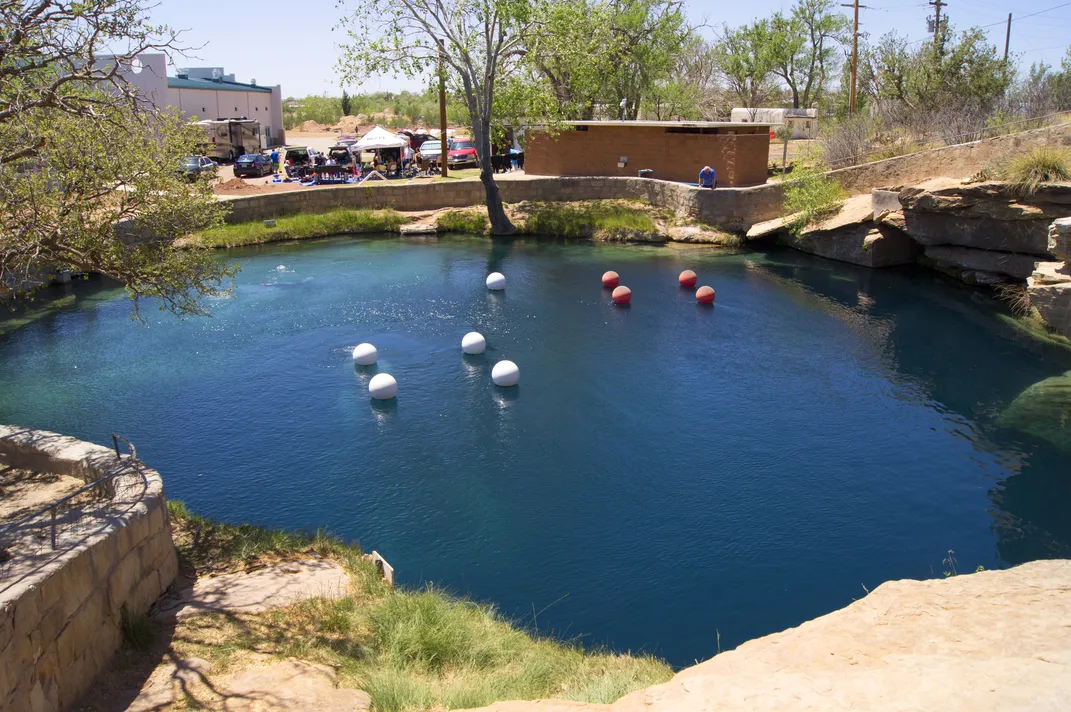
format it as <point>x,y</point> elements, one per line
<point>687,278</point>
<point>611,279</point>
<point>705,295</point>
<point>622,295</point>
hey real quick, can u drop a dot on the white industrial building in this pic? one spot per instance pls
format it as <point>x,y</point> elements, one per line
<point>208,93</point>
<point>802,122</point>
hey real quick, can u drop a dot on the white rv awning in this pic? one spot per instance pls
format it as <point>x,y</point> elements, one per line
<point>381,138</point>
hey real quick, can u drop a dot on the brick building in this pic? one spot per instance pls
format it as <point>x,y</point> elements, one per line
<point>674,150</point>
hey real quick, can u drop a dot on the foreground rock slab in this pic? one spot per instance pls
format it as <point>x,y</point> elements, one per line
<point>254,592</point>
<point>995,641</point>
<point>291,686</point>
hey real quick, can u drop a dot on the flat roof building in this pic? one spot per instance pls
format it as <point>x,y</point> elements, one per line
<point>672,150</point>
<point>208,93</point>
<point>802,122</point>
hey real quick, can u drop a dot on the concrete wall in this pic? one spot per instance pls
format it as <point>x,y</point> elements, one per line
<point>729,208</point>
<point>738,155</point>
<point>59,617</point>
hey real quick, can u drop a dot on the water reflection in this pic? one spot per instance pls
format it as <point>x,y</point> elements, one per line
<point>383,410</point>
<point>1029,505</point>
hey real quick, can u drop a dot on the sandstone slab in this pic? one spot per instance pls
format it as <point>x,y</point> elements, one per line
<point>291,686</point>
<point>253,592</point>
<point>1012,265</point>
<point>1050,293</point>
<point>860,244</point>
<point>996,641</point>
<point>1060,239</point>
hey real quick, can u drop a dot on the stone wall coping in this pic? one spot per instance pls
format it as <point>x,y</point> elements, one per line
<point>45,451</point>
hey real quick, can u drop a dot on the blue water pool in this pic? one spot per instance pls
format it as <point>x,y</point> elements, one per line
<point>663,475</point>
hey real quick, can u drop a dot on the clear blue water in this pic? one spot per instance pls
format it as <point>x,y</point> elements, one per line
<point>663,474</point>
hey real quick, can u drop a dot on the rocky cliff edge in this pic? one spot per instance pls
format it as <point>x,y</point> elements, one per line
<point>995,640</point>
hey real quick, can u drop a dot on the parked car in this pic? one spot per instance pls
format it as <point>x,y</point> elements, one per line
<point>432,149</point>
<point>252,164</point>
<point>462,153</point>
<point>302,159</point>
<point>194,166</point>
<point>300,155</point>
<point>347,140</point>
<point>342,153</point>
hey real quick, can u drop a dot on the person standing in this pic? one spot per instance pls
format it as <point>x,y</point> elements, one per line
<point>407,158</point>
<point>708,178</point>
<point>274,161</point>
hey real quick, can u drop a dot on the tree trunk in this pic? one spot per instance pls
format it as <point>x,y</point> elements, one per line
<point>795,98</point>
<point>500,222</point>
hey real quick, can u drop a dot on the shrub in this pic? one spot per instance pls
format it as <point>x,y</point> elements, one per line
<point>471,221</point>
<point>1041,165</point>
<point>810,195</point>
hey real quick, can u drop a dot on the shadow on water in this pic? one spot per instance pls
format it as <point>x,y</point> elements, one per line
<point>48,302</point>
<point>383,410</point>
<point>1028,507</point>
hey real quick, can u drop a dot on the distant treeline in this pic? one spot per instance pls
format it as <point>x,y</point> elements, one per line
<point>403,109</point>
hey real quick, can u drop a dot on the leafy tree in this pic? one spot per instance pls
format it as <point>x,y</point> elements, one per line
<point>478,41</point>
<point>745,62</point>
<point>344,103</point>
<point>649,38</point>
<point>803,46</point>
<point>89,174</point>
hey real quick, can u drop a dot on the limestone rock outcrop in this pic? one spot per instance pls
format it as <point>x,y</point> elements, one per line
<point>994,641</point>
<point>1049,286</point>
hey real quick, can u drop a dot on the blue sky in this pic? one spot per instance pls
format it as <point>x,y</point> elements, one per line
<point>231,33</point>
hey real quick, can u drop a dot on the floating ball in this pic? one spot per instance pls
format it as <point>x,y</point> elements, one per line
<point>687,278</point>
<point>382,386</point>
<point>622,295</point>
<point>705,295</point>
<point>611,279</point>
<point>473,343</point>
<point>496,281</point>
<point>365,354</point>
<point>280,268</point>
<point>505,374</point>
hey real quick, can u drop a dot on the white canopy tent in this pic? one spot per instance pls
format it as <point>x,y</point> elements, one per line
<point>381,138</point>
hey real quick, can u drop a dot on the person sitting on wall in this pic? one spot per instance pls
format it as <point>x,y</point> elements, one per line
<point>708,178</point>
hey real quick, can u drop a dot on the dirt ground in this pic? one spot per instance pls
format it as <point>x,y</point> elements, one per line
<point>23,491</point>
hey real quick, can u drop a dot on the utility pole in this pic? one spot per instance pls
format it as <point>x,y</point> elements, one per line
<point>937,5</point>
<point>1007,40</point>
<point>442,114</point>
<point>855,53</point>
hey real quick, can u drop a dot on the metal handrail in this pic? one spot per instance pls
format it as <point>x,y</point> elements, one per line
<point>52,507</point>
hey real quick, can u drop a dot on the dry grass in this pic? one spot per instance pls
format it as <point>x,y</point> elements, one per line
<point>1043,164</point>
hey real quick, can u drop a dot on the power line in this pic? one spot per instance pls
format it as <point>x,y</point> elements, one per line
<point>1039,12</point>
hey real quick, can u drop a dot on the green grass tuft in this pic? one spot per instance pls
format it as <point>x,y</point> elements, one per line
<point>810,196</point>
<point>301,227</point>
<point>138,630</point>
<point>408,649</point>
<point>469,221</point>
<point>1041,165</point>
<point>597,218</point>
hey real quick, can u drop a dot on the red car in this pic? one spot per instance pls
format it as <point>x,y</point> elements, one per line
<point>462,153</point>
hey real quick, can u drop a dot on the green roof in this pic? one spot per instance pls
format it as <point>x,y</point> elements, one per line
<point>213,85</point>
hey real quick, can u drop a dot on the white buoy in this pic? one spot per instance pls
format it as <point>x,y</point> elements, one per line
<point>505,374</point>
<point>365,354</point>
<point>473,343</point>
<point>280,268</point>
<point>382,386</point>
<point>496,281</point>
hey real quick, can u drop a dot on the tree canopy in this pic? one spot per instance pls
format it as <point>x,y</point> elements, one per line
<point>89,174</point>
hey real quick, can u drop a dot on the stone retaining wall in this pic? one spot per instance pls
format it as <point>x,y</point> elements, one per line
<point>729,208</point>
<point>60,616</point>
